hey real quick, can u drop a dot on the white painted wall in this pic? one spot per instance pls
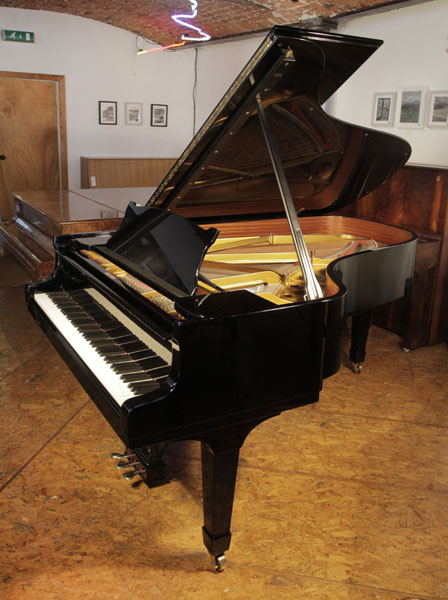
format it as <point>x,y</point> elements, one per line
<point>100,63</point>
<point>415,52</point>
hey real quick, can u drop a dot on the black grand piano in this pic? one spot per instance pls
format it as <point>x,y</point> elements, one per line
<point>213,308</point>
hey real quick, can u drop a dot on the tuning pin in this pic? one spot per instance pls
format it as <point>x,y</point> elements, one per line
<point>126,464</point>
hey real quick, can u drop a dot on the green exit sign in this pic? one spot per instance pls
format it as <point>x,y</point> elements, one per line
<point>18,36</point>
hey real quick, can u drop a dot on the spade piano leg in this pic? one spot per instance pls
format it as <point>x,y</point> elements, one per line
<point>219,456</point>
<point>361,323</point>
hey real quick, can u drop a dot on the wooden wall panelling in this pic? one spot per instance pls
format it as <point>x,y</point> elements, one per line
<point>123,172</point>
<point>416,198</point>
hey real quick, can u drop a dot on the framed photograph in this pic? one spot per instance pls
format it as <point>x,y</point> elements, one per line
<point>133,113</point>
<point>411,106</point>
<point>438,109</point>
<point>159,115</point>
<point>384,108</point>
<point>107,112</point>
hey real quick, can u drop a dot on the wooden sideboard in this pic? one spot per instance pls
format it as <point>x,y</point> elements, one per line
<point>40,215</point>
<point>110,172</point>
<point>416,198</point>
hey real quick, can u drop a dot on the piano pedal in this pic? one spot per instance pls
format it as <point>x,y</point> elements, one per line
<point>122,455</point>
<point>127,464</point>
<point>131,474</point>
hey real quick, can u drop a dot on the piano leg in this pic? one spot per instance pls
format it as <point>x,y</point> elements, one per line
<point>219,471</point>
<point>360,331</point>
<point>219,454</point>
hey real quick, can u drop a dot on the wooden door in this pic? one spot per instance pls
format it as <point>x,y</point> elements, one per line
<point>32,135</point>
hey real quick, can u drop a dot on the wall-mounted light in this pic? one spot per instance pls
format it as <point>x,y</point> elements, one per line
<point>160,48</point>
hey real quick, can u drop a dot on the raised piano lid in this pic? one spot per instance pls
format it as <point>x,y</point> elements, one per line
<point>226,171</point>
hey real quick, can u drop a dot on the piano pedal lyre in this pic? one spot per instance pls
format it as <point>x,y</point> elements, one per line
<point>126,460</point>
<point>147,463</point>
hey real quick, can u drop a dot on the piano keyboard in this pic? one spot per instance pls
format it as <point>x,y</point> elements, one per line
<point>123,357</point>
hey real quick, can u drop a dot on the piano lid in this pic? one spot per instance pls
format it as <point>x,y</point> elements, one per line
<point>227,169</point>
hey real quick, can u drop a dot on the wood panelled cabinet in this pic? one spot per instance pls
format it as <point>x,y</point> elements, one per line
<point>111,172</point>
<point>416,198</point>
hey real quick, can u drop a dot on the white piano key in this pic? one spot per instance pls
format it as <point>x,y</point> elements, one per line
<point>94,361</point>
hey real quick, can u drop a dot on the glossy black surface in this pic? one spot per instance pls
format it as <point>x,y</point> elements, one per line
<point>376,277</point>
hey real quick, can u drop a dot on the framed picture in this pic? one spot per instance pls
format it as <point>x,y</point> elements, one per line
<point>133,113</point>
<point>438,109</point>
<point>107,112</point>
<point>384,108</point>
<point>159,115</point>
<point>411,106</point>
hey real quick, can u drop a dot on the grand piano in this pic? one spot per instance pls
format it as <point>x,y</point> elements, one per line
<point>222,302</point>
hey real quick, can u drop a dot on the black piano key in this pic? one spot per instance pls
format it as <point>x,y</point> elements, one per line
<point>132,346</point>
<point>151,363</point>
<point>133,377</point>
<point>160,372</point>
<point>142,387</point>
<point>139,356</point>
<point>125,340</point>
<point>126,367</point>
<point>99,336</point>
<point>109,355</point>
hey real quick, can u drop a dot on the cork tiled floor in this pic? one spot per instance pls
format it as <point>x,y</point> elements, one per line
<point>346,499</point>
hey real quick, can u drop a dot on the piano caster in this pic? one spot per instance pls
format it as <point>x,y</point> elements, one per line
<point>406,349</point>
<point>219,562</point>
<point>357,368</point>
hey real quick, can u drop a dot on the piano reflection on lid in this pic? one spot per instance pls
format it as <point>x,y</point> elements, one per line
<point>172,323</point>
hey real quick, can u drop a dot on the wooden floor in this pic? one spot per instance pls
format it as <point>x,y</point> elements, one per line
<point>346,499</point>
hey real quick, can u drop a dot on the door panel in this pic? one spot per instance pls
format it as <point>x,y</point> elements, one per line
<point>31,136</point>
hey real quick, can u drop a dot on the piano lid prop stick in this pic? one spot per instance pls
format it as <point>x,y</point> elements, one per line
<point>313,290</point>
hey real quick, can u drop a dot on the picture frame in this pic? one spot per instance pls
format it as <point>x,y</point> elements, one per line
<point>107,112</point>
<point>411,104</point>
<point>384,108</point>
<point>438,109</point>
<point>159,115</point>
<point>133,113</point>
